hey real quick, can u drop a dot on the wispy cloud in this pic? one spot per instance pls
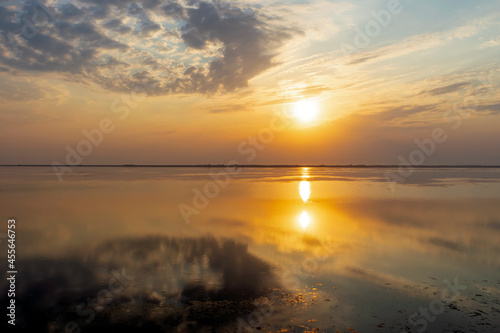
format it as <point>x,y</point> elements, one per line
<point>491,43</point>
<point>446,89</point>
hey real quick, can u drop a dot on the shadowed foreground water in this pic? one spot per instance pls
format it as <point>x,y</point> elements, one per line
<point>270,250</point>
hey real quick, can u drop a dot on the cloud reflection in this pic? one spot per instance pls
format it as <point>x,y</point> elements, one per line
<point>182,280</point>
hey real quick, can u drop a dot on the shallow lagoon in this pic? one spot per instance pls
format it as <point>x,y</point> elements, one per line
<point>272,249</point>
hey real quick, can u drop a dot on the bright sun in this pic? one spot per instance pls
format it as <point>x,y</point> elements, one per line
<point>305,110</point>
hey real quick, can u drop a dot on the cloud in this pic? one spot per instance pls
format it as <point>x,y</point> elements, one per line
<point>446,244</point>
<point>174,10</point>
<point>491,43</point>
<point>230,108</point>
<point>361,60</point>
<point>210,49</point>
<point>491,109</point>
<point>85,32</point>
<point>69,10</point>
<point>411,44</point>
<point>404,111</point>
<point>117,26</point>
<point>470,29</point>
<point>404,47</point>
<point>20,90</point>
<point>447,89</point>
<point>247,48</point>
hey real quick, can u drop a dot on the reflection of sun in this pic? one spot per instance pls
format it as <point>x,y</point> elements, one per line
<point>305,173</point>
<point>305,110</point>
<point>305,193</point>
<point>304,220</point>
<point>305,190</point>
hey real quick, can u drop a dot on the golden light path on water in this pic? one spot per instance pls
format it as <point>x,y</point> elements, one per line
<point>305,193</point>
<point>305,190</point>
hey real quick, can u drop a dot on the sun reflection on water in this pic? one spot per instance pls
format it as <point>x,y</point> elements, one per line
<point>305,193</point>
<point>305,173</point>
<point>304,220</point>
<point>305,190</point>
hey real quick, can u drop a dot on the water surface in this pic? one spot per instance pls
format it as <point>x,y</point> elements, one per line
<point>273,249</point>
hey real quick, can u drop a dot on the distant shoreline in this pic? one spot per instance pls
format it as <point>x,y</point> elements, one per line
<point>354,166</point>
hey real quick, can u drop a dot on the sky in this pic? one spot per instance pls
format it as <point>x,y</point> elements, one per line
<point>253,82</point>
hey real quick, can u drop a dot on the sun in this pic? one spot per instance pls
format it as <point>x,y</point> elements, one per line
<point>305,110</point>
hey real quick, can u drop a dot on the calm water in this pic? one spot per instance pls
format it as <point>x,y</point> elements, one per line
<point>140,249</point>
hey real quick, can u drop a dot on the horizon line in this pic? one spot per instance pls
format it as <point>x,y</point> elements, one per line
<point>128,165</point>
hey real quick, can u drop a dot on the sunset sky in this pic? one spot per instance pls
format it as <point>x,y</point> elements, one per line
<point>194,82</point>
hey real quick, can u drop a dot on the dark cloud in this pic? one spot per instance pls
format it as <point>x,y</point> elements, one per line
<point>147,27</point>
<point>232,108</point>
<point>248,49</point>
<point>49,54</point>
<point>404,111</point>
<point>39,40</point>
<point>446,244</point>
<point>112,62</point>
<point>71,40</point>
<point>315,90</point>
<point>361,60</point>
<point>135,9</point>
<point>151,4</point>
<point>174,10</point>
<point>49,45</point>
<point>69,10</point>
<point>7,19</point>
<point>118,26</point>
<point>88,33</point>
<point>113,24</point>
<point>100,12</point>
<point>491,109</point>
<point>446,89</point>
